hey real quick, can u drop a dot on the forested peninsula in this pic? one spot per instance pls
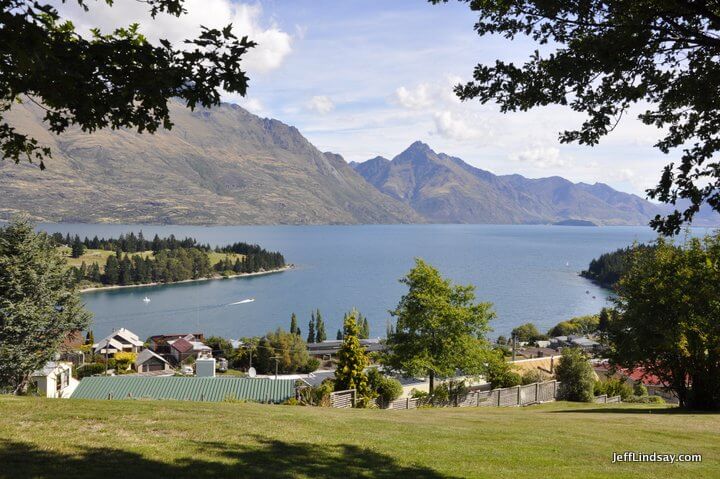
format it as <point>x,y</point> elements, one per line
<point>132,259</point>
<point>607,269</point>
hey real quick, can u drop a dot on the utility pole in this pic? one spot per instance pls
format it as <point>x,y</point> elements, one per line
<point>276,358</point>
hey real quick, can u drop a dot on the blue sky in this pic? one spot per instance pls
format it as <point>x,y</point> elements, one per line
<point>367,78</point>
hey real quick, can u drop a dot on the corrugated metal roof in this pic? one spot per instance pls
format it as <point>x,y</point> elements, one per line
<point>185,388</point>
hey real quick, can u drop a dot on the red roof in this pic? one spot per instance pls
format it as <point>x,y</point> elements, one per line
<point>182,345</point>
<point>637,374</point>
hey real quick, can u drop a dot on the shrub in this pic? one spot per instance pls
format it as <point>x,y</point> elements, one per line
<point>575,375</point>
<point>386,388</point>
<point>498,372</point>
<point>645,400</point>
<point>124,361</point>
<point>90,369</point>
<point>317,396</point>
<point>534,376</point>
<point>639,389</point>
<point>417,394</point>
<point>311,365</point>
<point>613,387</point>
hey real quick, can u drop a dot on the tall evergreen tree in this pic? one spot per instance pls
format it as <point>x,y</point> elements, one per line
<point>352,361</point>
<point>39,305</point>
<point>320,333</point>
<point>112,270</point>
<point>293,324</point>
<point>311,328</point>
<point>77,248</point>
<point>339,334</point>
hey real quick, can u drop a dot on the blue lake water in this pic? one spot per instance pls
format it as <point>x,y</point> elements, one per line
<point>530,273</point>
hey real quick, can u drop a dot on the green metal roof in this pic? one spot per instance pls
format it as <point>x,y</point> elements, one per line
<point>185,388</point>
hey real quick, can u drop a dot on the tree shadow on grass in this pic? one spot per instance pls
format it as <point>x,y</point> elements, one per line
<point>638,410</point>
<point>265,459</point>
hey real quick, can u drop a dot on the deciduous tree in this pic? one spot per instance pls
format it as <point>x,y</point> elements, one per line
<point>439,328</point>
<point>667,321</point>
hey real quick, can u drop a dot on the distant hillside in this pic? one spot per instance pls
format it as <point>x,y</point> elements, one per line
<point>445,189</point>
<point>219,166</point>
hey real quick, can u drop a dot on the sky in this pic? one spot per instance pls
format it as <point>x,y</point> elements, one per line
<point>368,78</point>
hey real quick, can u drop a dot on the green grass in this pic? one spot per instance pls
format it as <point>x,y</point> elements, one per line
<point>100,257</point>
<point>134,439</point>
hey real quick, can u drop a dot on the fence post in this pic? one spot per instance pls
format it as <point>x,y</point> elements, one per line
<point>407,403</point>
<point>498,393</point>
<point>537,392</point>
<point>555,389</point>
<point>477,399</point>
<point>519,399</point>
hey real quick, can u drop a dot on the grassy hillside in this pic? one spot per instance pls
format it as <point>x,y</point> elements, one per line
<point>108,439</point>
<point>218,166</point>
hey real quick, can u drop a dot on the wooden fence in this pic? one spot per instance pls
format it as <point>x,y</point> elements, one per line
<point>604,399</point>
<point>343,399</point>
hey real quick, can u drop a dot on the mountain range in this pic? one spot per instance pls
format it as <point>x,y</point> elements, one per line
<point>227,166</point>
<point>445,189</point>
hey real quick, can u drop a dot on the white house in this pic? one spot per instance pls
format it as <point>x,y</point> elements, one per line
<point>55,379</point>
<point>119,340</point>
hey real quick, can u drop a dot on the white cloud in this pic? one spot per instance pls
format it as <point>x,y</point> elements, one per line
<point>541,157</point>
<point>415,98</point>
<point>274,45</point>
<point>321,104</point>
<point>455,127</point>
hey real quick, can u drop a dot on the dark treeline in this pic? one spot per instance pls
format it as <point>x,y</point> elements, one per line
<point>164,260</point>
<point>131,243</point>
<point>607,269</point>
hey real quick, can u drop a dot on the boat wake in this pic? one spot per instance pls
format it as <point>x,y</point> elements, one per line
<point>249,300</point>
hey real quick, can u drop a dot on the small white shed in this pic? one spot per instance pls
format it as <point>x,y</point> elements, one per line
<point>55,379</point>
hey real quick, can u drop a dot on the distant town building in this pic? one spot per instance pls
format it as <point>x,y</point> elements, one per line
<point>120,340</point>
<point>149,361</point>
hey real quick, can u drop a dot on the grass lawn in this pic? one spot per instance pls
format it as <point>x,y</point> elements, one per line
<point>137,439</point>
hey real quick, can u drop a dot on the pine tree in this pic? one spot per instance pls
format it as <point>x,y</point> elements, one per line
<point>77,248</point>
<point>40,306</point>
<point>352,361</point>
<point>293,324</point>
<point>320,334</point>
<point>94,273</point>
<point>339,334</point>
<point>112,270</point>
<point>90,337</point>
<point>311,329</point>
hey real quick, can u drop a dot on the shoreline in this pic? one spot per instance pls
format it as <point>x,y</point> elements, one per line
<point>242,275</point>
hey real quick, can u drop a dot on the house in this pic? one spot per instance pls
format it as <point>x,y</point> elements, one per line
<point>652,383</point>
<point>586,344</point>
<point>332,346</point>
<point>148,361</point>
<point>120,340</point>
<point>55,379</point>
<point>160,343</point>
<point>183,348</point>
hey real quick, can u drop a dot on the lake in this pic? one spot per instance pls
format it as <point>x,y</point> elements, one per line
<point>530,274</point>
